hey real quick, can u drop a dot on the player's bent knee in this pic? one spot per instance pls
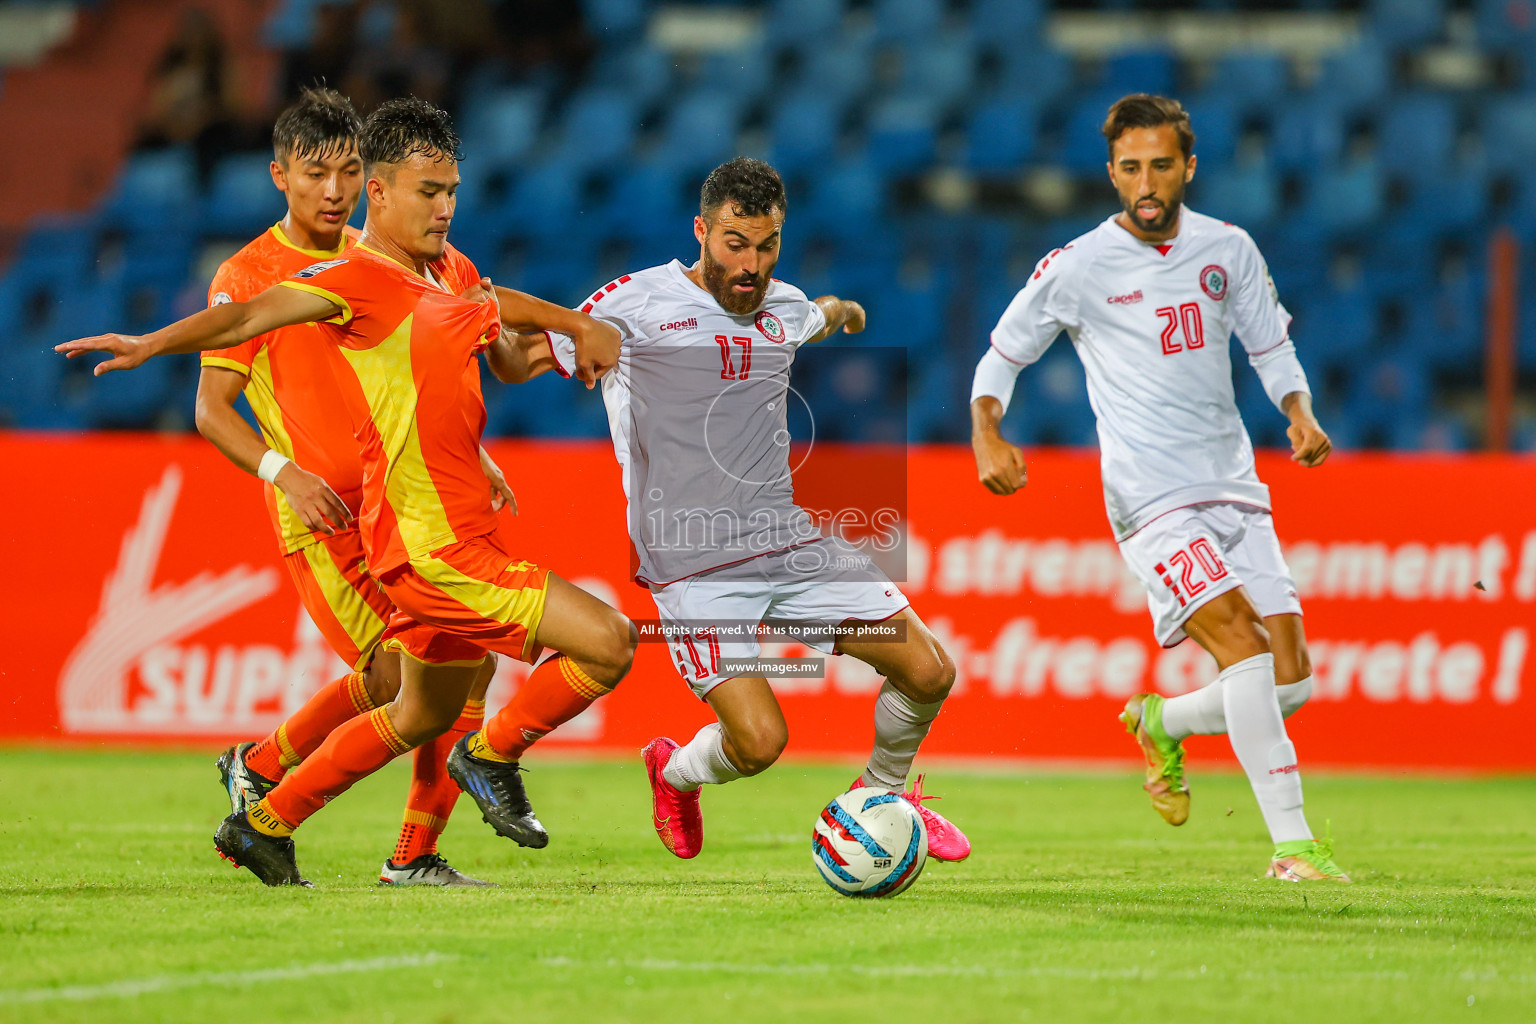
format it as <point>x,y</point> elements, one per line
<point>616,652</point>
<point>382,678</point>
<point>935,678</point>
<point>758,750</point>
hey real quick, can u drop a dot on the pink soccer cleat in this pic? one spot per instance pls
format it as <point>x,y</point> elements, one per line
<point>675,814</point>
<point>945,841</point>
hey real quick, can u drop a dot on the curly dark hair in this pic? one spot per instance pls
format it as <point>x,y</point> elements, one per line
<point>752,187</point>
<point>1141,110</point>
<point>321,124</point>
<point>401,128</point>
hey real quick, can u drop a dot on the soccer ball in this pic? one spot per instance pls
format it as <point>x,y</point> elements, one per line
<point>869,842</point>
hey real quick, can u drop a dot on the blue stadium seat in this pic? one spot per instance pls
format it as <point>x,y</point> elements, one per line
<point>1305,134</point>
<point>1138,71</point>
<point>59,246</point>
<point>130,400</point>
<point>617,19</point>
<point>1334,328</point>
<point>804,20</point>
<point>1001,136</point>
<point>942,70</point>
<point>1449,202</point>
<point>914,20</point>
<point>597,128</point>
<point>841,69</point>
<point>500,128</point>
<point>1399,259</point>
<point>1502,25</point>
<point>155,189</point>
<point>241,199</point>
<point>700,130</point>
<point>1245,193</point>
<point>648,198</point>
<point>1416,134</point>
<point>902,133</point>
<point>804,128</point>
<point>1407,23</point>
<point>1011,22</point>
<point>1509,133</point>
<point>1218,125</point>
<point>746,74</point>
<point>1083,148</point>
<point>1355,78</point>
<point>543,202</point>
<point>634,67</point>
<point>1254,80</point>
<point>1042,75</point>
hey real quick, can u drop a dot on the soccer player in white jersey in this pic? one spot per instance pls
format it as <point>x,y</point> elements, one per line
<point>1150,298</point>
<point>696,407</point>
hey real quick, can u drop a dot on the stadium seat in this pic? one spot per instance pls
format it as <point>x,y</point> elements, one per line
<point>1416,135</point>
<point>1457,201</point>
<point>1244,193</point>
<point>747,73</point>
<point>1083,150</point>
<point>841,70</point>
<point>941,70</point>
<point>1306,133</point>
<point>634,67</point>
<point>648,198</point>
<point>59,246</point>
<point>618,19</point>
<point>1030,72</point>
<point>803,20</point>
<point>700,131</point>
<point>155,189</point>
<point>1509,133</point>
<point>1218,125</point>
<point>1010,22</point>
<point>912,20</point>
<point>1253,80</point>
<point>242,200</point>
<point>1139,71</point>
<point>543,201</point>
<point>596,129</point>
<point>1356,78</point>
<point>804,127</point>
<point>1407,23</point>
<point>849,192</point>
<point>902,133</point>
<point>1001,136</point>
<point>1505,25</point>
<point>501,128</point>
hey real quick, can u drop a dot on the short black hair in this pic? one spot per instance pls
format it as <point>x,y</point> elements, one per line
<point>1142,110</point>
<point>752,187</point>
<point>401,128</point>
<point>322,123</point>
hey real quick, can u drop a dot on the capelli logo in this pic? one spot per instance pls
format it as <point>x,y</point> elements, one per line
<point>1289,769</point>
<point>1125,300</point>
<point>681,325</point>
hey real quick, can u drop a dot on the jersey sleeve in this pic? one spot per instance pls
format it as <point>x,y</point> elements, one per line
<point>803,319</point>
<point>1258,319</point>
<point>563,348</point>
<point>230,285</point>
<point>343,281</point>
<point>622,304</point>
<point>1043,308</point>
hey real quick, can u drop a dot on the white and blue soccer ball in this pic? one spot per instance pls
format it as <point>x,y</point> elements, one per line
<point>869,842</point>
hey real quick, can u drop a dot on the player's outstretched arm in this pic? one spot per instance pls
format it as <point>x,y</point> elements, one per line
<point>501,495</point>
<point>999,465</point>
<point>221,326</point>
<point>317,505</point>
<point>597,343</point>
<point>841,314</point>
<point>518,358</point>
<point>1309,443</point>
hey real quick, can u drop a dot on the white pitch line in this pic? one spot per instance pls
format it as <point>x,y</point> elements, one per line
<point>130,987</point>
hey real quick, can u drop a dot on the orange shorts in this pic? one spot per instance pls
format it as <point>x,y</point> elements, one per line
<point>346,602</point>
<point>464,600</point>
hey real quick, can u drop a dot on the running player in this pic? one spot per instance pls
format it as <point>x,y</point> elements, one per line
<point>1150,299</point>
<point>698,421</point>
<point>403,316</point>
<point>307,455</point>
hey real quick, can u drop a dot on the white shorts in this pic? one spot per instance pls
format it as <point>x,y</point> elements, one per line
<point>1190,555</point>
<point>801,586</point>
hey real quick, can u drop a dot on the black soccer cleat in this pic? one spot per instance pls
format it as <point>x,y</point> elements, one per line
<point>498,789</point>
<point>244,787</point>
<point>269,858</point>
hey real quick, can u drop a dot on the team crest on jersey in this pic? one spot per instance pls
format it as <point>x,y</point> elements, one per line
<point>219,298</point>
<point>771,326</point>
<point>1213,279</point>
<point>319,268</point>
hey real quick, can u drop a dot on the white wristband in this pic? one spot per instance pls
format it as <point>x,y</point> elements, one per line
<point>272,464</point>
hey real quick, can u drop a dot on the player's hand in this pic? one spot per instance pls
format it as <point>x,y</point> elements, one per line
<point>999,465</point>
<point>479,291</point>
<point>597,351</point>
<point>501,495</point>
<point>1309,444</point>
<point>318,506</point>
<point>856,318</point>
<point>128,351</point>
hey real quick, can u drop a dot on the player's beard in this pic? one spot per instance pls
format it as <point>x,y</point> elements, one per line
<point>724,291</point>
<point>1163,221</point>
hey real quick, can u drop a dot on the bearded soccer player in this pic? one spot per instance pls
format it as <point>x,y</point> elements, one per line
<point>307,455</point>
<point>712,343</point>
<point>1150,299</point>
<point>402,316</point>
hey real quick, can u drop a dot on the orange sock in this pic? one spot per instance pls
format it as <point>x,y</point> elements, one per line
<point>355,749</point>
<point>338,701</point>
<point>433,793</point>
<point>555,693</point>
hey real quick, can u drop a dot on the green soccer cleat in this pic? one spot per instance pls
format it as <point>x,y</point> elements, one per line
<point>1305,860</point>
<point>1143,718</point>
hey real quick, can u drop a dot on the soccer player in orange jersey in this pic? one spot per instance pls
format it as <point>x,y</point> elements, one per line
<point>310,460</point>
<point>403,316</point>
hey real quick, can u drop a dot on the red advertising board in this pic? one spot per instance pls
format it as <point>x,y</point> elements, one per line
<point>147,602</point>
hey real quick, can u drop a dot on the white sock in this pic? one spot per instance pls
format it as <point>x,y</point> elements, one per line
<point>1257,734</point>
<point>900,726</point>
<point>701,761</point>
<point>1203,713</point>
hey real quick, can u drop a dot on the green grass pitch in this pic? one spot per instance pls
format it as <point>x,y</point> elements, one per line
<point>1078,905</point>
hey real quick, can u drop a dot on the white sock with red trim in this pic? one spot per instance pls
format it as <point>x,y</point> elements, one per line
<point>1203,712</point>
<point>1257,734</point>
<point>901,724</point>
<point>701,761</point>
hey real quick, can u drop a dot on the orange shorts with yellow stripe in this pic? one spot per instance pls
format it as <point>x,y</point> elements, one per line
<point>466,599</point>
<point>347,604</point>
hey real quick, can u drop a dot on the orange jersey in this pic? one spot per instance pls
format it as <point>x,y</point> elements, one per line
<point>290,381</point>
<point>413,392</point>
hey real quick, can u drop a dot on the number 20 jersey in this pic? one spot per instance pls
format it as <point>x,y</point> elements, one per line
<point>1151,325</point>
<point>697,410</point>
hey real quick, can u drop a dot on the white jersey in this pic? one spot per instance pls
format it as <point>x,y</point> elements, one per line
<point>1151,324</point>
<point>697,413</point>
